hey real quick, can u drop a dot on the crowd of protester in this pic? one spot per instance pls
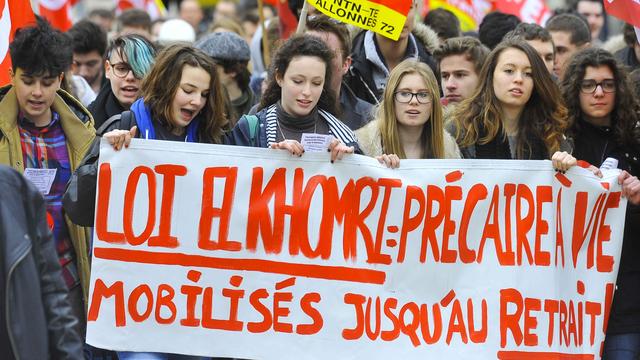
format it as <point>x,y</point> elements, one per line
<point>562,91</point>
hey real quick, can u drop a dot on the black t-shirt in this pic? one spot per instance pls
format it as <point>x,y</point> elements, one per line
<point>163,133</point>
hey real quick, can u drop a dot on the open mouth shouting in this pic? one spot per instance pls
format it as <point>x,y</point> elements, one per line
<point>187,114</point>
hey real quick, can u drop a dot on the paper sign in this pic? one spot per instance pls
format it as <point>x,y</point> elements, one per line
<point>41,178</point>
<point>239,252</point>
<point>315,142</point>
<point>385,17</point>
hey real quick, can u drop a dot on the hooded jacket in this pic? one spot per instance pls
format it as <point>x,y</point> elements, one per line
<point>368,74</point>
<point>37,317</point>
<point>77,125</point>
<point>627,56</point>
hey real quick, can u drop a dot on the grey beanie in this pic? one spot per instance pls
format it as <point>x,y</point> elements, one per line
<point>225,46</point>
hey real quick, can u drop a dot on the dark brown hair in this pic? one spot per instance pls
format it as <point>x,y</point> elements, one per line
<point>471,47</point>
<point>299,45</point>
<point>624,115</point>
<point>160,85</point>
<point>479,118</point>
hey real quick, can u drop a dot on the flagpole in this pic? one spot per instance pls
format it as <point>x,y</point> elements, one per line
<point>266,57</point>
<point>302,23</point>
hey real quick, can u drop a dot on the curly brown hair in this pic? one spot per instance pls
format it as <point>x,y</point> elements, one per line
<point>626,110</point>
<point>299,45</point>
<point>479,118</point>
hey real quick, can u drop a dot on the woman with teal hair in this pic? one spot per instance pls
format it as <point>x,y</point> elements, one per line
<point>127,61</point>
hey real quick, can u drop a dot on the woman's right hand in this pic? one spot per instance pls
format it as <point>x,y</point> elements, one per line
<point>120,138</point>
<point>293,146</point>
<point>389,160</point>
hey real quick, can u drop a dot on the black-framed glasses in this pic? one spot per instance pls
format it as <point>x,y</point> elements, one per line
<point>590,86</point>
<point>122,69</point>
<point>405,97</point>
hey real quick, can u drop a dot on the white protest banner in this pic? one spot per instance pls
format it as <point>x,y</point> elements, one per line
<point>253,253</point>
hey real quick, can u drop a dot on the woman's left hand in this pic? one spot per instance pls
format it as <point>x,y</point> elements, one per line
<point>630,187</point>
<point>292,146</point>
<point>563,161</point>
<point>338,149</point>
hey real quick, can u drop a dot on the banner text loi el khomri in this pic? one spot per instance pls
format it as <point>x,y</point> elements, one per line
<point>252,253</point>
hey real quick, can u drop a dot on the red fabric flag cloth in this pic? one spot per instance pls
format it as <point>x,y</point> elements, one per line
<point>288,21</point>
<point>154,8</point>
<point>127,4</point>
<point>401,7</point>
<point>14,14</point>
<point>529,11</point>
<point>58,12</point>
<point>626,10</point>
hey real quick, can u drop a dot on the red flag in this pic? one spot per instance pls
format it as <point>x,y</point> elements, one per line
<point>155,8</point>
<point>626,10</point>
<point>128,4</point>
<point>58,12</point>
<point>288,21</point>
<point>529,11</point>
<point>14,14</point>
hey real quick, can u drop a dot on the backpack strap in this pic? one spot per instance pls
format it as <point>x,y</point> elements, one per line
<point>123,121</point>
<point>127,121</point>
<point>252,120</point>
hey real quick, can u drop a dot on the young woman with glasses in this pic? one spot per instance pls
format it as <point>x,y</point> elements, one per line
<point>516,111</point>
<point>409,123</point>
<point>129,58</point>
<point>604,117</point>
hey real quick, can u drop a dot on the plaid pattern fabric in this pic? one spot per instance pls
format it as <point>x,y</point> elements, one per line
<point>46,148</point>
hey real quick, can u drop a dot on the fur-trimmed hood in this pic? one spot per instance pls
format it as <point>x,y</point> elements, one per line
<point>368,73</point>
<point>423,33</point>
<point>426,36</point>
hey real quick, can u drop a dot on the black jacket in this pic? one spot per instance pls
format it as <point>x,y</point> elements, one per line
<point>360,77</point>
<point>80,197</point>
<point>79,200</point>
<point>594,145</point>
<point>38,319</point>
<point>356,112</point>
<point>628,57</point>
<point>105,105</point>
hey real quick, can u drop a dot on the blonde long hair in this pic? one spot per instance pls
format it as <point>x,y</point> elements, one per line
<point>432,132</point>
